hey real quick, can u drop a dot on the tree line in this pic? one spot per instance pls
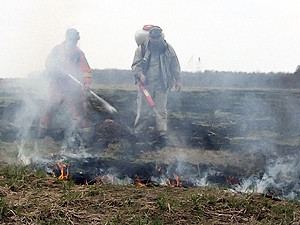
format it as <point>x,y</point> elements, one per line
<point>210,78</point>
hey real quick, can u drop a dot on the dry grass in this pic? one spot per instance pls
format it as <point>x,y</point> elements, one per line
<point>28,197</point>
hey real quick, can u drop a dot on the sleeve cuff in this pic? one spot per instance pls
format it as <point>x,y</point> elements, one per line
<point>87,75</point>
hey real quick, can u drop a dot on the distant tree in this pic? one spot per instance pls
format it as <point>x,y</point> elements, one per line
<point>297,70</point>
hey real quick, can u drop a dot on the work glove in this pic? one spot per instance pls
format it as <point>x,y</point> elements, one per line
<point>86,83</point>
<point>142,78</point>
<point>178,85</point>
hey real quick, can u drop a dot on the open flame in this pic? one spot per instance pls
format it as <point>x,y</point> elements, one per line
<point>231,180</point>
<point>104,179</point>
<point>177,183</point>
<point>64,171</point>
<point>138,181</point>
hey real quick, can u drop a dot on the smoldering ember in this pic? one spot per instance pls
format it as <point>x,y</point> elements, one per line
<point>240,130</point>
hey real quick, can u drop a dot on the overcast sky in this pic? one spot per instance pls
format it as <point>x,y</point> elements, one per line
<point>227,35</point>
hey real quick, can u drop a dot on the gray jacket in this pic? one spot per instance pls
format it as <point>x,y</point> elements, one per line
<point>169,64</point>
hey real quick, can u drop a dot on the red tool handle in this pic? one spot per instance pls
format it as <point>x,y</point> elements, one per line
<point>146,93</point>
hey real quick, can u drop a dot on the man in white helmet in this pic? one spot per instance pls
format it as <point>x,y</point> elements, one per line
<point>66,58</point>
<point>156,66</point>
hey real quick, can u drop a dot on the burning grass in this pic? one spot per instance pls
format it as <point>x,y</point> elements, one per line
<point>28,197</point>
<point>230,132</point>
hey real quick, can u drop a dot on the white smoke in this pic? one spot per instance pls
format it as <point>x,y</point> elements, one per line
<point>25,119</point>
<point>34,97</point>
<point>281,177</point>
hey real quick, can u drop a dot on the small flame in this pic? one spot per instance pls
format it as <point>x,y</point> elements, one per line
<point>139,183</point>
<point>178,183</point>
<point>100,179</point>
<point>63,167</point>
<point>105,179</point>
<point>175,184</point>
<point>230,180</point>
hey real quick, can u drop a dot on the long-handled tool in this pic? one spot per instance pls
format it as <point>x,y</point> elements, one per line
<point>146,93</point>
<point>148,97</point>
<point>107,106</point>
